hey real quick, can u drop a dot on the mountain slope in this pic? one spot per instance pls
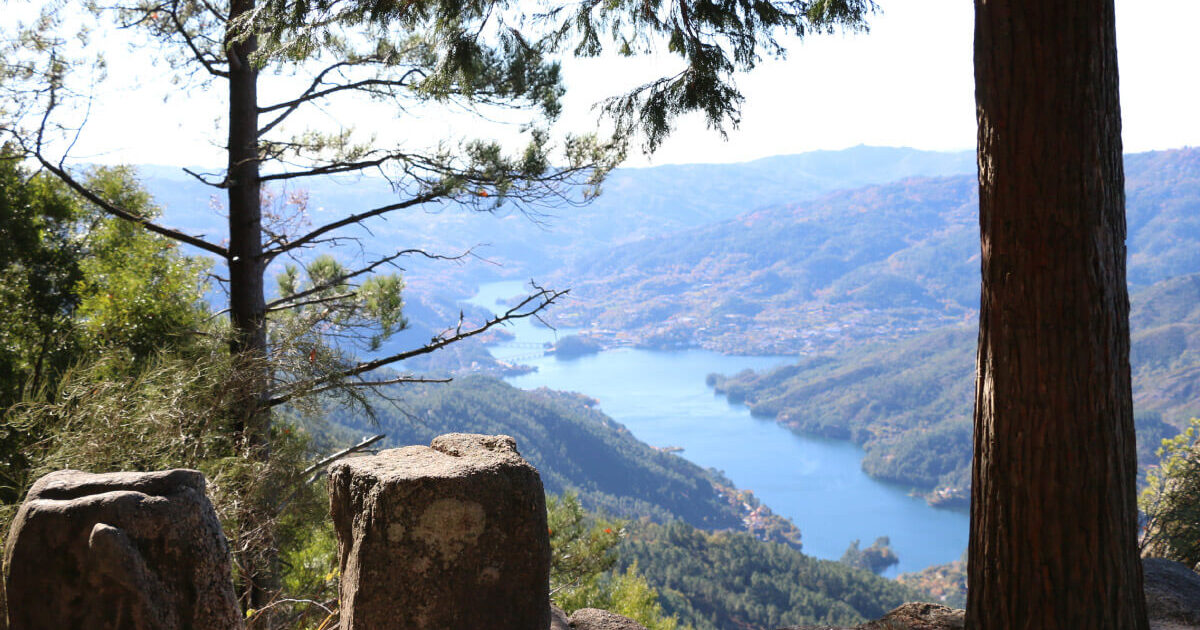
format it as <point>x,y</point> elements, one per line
<point>882,262</point>
<point>909,402</point>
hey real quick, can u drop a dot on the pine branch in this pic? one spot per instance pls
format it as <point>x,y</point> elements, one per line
<point>332,169</point>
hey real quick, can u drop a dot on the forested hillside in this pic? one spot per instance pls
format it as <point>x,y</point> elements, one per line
<point>882,262</point>
<point>909,402</point>
<point>724,581</point>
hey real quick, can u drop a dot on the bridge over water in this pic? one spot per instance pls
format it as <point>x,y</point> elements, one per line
<point>542,349</point>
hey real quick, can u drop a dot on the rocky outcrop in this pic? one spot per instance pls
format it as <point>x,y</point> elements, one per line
<point>1172,593</point>
<point>910,616</point>
<point>596,619</point>
<point>452,535</point>
<point>919,616</point>
<point>119,551</point>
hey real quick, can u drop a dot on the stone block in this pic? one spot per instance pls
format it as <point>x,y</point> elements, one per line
<point>452,535</point>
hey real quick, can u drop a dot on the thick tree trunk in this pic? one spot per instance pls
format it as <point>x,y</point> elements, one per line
<point>247,307</point>
<point>1053,509</point>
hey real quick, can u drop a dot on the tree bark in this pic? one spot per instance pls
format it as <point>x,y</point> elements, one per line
<point>1053,507</point>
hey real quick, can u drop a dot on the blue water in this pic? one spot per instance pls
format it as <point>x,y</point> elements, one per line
<point>661,397</point>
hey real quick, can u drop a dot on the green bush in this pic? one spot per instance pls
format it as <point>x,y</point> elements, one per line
<point>1171,500</point>
<point>583,547</point>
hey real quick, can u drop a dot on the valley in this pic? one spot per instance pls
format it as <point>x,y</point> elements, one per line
<point>841,299</point>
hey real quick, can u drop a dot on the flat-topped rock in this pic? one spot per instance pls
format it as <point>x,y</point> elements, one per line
<point>120,551</point>
<point>910,616</point>
<point>596,619</point>
<point>450,535</point>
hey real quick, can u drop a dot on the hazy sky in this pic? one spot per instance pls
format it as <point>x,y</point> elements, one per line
<point>906,83</point>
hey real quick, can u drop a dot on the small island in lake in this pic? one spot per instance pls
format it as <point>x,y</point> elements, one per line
<point>574,346</point>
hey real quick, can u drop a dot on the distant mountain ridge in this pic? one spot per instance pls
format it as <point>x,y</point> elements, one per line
<point>880,262</point>
<point>636,203</point>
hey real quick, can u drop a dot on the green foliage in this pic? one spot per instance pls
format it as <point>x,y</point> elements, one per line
<point>332,306</point>
<point>78,284</point>
<point>1171,500</point>
<point>714,42</point>
<point>176,410</point>
<point>631,595</point>
<point>81,289</point>
<point>328,316</point>
<point>39,270</point>
<point>925,456</point>
<point>714,581</point>
<point>103,416</point>
<point>584,550</point>
<point>137,295</point>
<point>876,558</point>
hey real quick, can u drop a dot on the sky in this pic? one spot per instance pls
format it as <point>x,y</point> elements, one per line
<point>908,82</point>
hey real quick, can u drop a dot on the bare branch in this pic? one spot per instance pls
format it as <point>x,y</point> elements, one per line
<point>316,83</point>
<point>316,468</point>
<point>279,400</point>
<point>312,92</point>
<point>224,183</point>
<point>351,220</point>
<point>332,169</point>
<point>198,54</point>
<point>109,208</point>
<point>540,299</point>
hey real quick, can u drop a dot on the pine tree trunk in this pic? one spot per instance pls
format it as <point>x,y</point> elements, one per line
<point>1053,506</point>
<point>247,307</point>
<point>247,304</point>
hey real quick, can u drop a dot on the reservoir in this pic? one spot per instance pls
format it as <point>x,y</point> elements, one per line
<point>662,398</point>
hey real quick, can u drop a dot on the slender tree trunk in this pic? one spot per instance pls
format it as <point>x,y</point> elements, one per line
<point>247,306</point>
<point>1053,511</point>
